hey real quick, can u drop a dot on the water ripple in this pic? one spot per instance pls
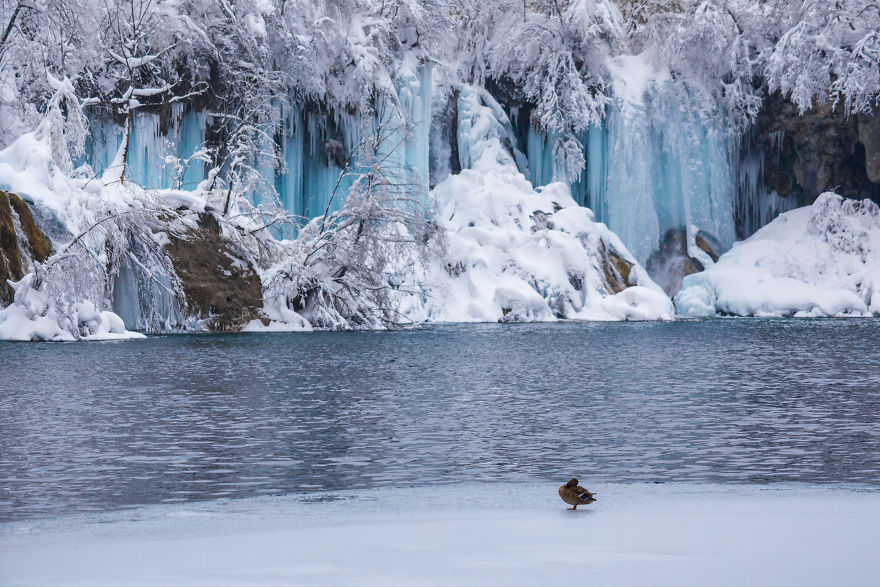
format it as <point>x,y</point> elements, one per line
<point>86,427</point>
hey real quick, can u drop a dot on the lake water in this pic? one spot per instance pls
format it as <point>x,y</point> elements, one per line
<point>102,426</point>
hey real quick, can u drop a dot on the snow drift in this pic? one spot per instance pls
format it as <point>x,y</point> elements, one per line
<point>820,260</point>
<point>520,253</point>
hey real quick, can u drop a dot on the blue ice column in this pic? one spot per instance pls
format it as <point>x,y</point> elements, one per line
<point>665,164</point>
<point>545,168</point>
<point>191,138</point>
<point>313,182</point>
<point>404,156</point>
<point>152,157</point>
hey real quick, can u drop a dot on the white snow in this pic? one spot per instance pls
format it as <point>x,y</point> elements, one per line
<point>489,534</point>
<point>820,260</point>
<point>35,315</point>
<point>632,75</point>
<point>520,253</point>
<point>280,318</point>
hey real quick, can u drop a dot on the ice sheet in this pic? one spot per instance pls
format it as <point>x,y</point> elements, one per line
<point>482,534</point>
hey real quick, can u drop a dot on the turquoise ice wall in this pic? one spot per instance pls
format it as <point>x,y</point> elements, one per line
<point>666,164</point>
<point>155,160</point>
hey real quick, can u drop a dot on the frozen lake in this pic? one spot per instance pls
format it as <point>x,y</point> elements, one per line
<point>465,534</point>
<point>106,426</point>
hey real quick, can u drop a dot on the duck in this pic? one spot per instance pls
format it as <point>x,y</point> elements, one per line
<point>575,495</point>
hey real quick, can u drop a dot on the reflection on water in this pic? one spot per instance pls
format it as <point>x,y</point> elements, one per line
<point>107,425</point>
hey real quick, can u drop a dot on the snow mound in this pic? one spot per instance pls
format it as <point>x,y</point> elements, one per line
<point>278,318</point>
<point>820,260</point>
<point>35,315</point>
<point>516,253</point>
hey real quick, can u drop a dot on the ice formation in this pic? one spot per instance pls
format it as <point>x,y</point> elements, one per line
<point>520,253</point>
<point>525,241</point>
<point>660,161</point>
<point>819,260</point>
<point>514,533</point>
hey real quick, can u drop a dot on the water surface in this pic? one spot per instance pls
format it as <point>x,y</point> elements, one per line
<point>99,426</point>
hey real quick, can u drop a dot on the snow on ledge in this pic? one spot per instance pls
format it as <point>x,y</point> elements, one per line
<point>819,260</point>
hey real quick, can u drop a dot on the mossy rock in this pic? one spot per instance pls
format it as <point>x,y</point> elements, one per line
<point>220,286</point>
<point>14,261</point>
<point>616,270</point>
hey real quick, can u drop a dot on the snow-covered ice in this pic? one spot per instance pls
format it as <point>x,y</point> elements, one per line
<point>488,534</point>
<point>520,253</point>
<point>819,260</point>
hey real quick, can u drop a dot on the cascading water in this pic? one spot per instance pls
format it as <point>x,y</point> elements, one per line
<point>664,164</point>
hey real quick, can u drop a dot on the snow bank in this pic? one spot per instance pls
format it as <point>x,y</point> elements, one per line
<point>35,315</point>
<point>490,534</point>
<point>278,318</point>
<point>517,253</point>
<point>820,260</point>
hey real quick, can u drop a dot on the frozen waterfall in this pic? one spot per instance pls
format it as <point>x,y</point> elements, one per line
<point>657,164</point>
<point>660,162</point>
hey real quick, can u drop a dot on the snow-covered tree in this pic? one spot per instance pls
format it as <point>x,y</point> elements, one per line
<point>827,50</point>
<point>349,269</point>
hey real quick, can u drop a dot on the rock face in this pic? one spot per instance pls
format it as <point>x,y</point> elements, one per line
<point>672,262</point>
<point>220,286</point>
<point>21,242</point>
<point>803,155</point>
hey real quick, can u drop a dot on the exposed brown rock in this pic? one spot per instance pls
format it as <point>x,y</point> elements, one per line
<point>805,154</point>
<point>220,286</point>
<point>704,246</point>
<point>869,135</point>
<point>39,245</point>
<point>616,270</point>
<point>669,264</point>
<point>13,260</point>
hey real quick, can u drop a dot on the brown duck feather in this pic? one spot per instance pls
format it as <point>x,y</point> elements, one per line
<point>573,494</point>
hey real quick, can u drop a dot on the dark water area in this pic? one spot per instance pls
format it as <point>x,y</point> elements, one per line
<point>101,426</point>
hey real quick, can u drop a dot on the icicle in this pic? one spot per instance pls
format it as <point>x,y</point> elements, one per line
<point>652,167</point>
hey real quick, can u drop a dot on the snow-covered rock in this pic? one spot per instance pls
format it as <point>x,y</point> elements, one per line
<point>36,315</point>
<point>520,253</point>
<point>820,260</point>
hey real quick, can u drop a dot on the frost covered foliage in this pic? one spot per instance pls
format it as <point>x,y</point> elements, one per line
<point>552,52</point>
<point>825,50</point>
<point>810,50</point>
<point>359,267</point>
<point>820,260</point>
<point>711,45</point>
